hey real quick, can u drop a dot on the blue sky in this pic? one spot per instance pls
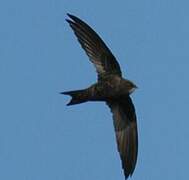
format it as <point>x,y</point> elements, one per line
<point>41,138</point>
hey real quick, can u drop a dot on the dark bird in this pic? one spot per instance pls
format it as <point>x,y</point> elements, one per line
<point>111,88</point>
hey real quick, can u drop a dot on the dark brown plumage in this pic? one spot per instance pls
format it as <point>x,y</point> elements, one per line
<point>111,88</point>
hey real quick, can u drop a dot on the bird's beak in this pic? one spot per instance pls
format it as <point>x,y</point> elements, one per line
<point>136,87</point>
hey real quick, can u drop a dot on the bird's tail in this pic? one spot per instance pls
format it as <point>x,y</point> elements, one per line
<point>78,96</point>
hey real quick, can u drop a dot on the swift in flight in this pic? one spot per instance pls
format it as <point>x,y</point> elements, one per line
<point>111,88</point>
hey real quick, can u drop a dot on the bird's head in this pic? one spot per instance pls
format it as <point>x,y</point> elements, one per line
<point>130,86</point>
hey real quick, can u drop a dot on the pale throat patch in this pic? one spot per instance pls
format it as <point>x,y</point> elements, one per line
<point>132,90</point>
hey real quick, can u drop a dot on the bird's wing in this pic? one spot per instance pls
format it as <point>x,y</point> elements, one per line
<point>126,132</point>
<point>95,48</point>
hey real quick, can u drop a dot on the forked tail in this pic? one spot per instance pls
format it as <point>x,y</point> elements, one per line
<point>78,96</point>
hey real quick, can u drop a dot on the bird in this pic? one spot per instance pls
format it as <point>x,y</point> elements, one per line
<point>110,88</point>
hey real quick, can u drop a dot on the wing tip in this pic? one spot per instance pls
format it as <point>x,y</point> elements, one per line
<point>74,18</point>
<point>69,21</point>
<point>128,174</point>
<point>69,15</point>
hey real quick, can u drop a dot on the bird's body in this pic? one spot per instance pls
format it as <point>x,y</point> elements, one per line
<point>111,88</point>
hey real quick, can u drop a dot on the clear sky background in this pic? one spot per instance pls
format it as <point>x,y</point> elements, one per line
<point>42,139</point>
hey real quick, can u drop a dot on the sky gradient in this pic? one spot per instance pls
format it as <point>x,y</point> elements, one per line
<point>41,138</point>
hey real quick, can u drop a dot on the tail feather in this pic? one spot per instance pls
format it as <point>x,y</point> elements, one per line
<point>78,96</point>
